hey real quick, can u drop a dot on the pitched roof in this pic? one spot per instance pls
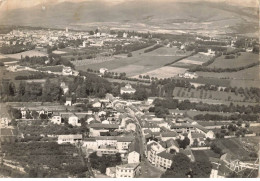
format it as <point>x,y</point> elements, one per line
<point>104,126</point>
<point>70,136</point>
<point>197,135</point>
<point>134,146</point>
<point>129,166</point>
<point>169,134</point>
<point>165,155</point>
<point>198,126</point>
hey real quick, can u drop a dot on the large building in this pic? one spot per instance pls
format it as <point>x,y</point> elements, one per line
<point>127,89</point>
<point>128,170</point>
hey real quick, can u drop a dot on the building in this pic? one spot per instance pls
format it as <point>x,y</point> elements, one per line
<point>72,139</point>
<point>67,71</point>
<point>128,170</point>
<point>134,153</point>
<point>111,172</point>
<point>64,87</point>
<point>74,120</point>
<point>127,89</point>
<point>68,101</point>
<point>103,70</point>
<point>169,135</point>
<point>56,118</point>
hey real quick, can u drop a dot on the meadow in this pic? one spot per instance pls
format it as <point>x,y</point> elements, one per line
<point>209,94</point>
<point>139,63</point>
<point>244,59</point>
<point>197,59</point>
<point>237,147</point>
<point>29,53</point>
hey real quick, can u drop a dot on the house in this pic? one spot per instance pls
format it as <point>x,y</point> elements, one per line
<point>72,139</point>
<point>97,104</point>
<point>169,135</point>
<point>67,71</point>
<point>74,120</point>
<point>129,170</point>
<point>151,126</point>
<point>127,89</point>
<point>103,70</point>
<point>130,127</point>
<point>134,152</point>
<point>96,128</point>
<point>111,172</point>
<point>68,101</point>
<point>197,139</point>
<point>64,87</point>
<point>56,118</point>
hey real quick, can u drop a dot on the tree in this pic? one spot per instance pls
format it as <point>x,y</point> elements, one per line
<point>180,167</point>
<point>35,114</point>
<point>201,169</point>
<point>129,54</point>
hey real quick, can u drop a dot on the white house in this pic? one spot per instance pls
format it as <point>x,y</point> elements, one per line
<point>68,101</point>
<point>96,104</point>
<point>111,172</point>
<point>74,120</point>
<point>64,87</point>
<point>69,139</point>
<point>67,71</point>
<point>56,118</point>
<point>127,89</point>
<point>134,153</point>
<point>127,170</point>
<point>103,70</point>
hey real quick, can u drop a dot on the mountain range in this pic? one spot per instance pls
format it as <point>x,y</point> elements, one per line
<point>164,16</point>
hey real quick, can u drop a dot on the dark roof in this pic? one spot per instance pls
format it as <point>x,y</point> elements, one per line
<point>104,126</point>
<point>169,134</point>
<point>134,146</point>
<point>197,135</point>
<point>166,155</point>
<point>205,130</point>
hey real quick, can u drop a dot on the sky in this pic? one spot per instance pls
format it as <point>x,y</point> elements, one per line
<point>16,4</point>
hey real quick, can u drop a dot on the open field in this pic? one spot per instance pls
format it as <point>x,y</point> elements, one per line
<point>197,59</point>
<point>139,63</point>
<point>255,129</point>
<point>29,53</point>
<point>244,59</point>
<point>210,94</point>
<point>239,148</point>
<point>245,78</point>
<point>164,72</point>
<point>201,155</point>
<point>57,68</point>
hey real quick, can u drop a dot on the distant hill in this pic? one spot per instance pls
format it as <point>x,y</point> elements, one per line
<point>127,14</point>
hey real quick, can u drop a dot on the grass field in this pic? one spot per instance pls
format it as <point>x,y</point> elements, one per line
<point>29,53</point>
<point>244,59</point>
<point>139,64</point>
<point>239,148</point>
<point>255,129</point>
<point>201,155</point>
<point>164,72</point>
<point>214,95</point>
<point>197,59</point>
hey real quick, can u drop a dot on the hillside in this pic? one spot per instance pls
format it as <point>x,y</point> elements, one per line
<point>139,15</point>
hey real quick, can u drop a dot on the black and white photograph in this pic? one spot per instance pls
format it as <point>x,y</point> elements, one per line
<point>121,89</point>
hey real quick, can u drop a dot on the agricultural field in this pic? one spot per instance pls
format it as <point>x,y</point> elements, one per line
<point>239,148</point>
<point>209,94</point>
<point>164,72</point>
<point>197,59</point>
<point>57,68</point>
<point>244,78</point>
<point>201,155</point>
<point>29,53</point>
<point>139,64</point>
<point>255,129</point>
<point>244,59</point>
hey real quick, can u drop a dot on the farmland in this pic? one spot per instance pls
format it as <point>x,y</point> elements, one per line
<point>139,63</point>
<point>29,53</point>
<point>238,147</point>
<point>209,94</point>
<point>197,59</point>
<point>244,59</point>
<point>164,72</point>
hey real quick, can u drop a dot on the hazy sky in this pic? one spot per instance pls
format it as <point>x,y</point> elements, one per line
<point>14,4</point>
